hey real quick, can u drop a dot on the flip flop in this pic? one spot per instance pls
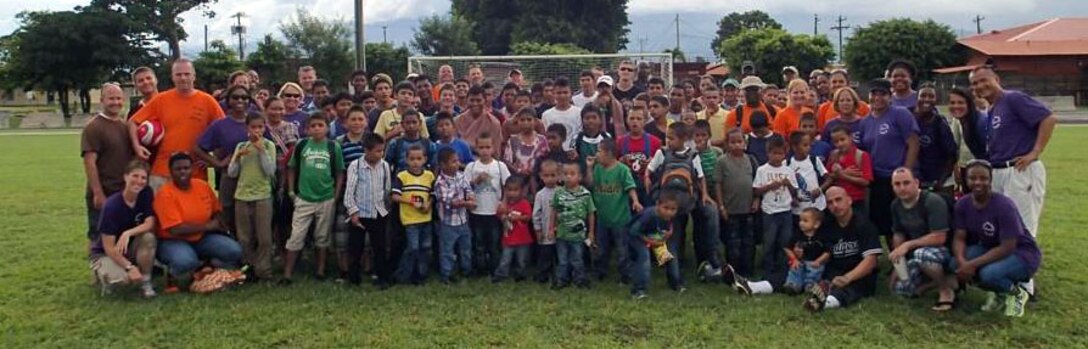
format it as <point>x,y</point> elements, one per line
<point>943,306</point>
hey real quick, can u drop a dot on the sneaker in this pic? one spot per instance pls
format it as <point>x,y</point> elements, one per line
<point>740,284</point>
<point>681,289</point>
<point>639,295</point>
<point>994,302</point>
<point>148,291</point>
<point>1015,303</point>
<point>813,305</point>
<point>819,291</point>
<point>728,274</point>
<point>703,270</point>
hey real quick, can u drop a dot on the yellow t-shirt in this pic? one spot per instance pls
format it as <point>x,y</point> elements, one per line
<point>390,119</point>
<point>417,188</point>
<point>717,123</point>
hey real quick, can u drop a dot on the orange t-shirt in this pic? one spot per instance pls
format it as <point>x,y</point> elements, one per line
<point>828,113</point>
<point>174,206</point>
<point>788,120</point>
<point>731,119</point>
<point>183,120</point>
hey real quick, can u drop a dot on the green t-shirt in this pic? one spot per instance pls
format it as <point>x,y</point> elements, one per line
<point>709,160</point>
<point>610,187</point>
<point>253,183</point>
<point>572,208</point>
<point>315,179</point>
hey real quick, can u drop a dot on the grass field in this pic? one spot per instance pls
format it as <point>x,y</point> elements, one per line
<point>46,300</point>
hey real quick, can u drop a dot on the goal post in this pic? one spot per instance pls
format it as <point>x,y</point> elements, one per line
<point>536,68</point>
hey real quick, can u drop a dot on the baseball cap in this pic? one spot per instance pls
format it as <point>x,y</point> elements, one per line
<point>790,69</point>
<point>605,79</point>
<point>882,85</point>
<point>731,83</point>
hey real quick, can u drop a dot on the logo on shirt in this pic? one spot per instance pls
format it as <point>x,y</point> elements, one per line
<point>995,121</point>
<point>925,140</point>
<point>884,128</point>
<point>845,249</point>
<point>988,229</point>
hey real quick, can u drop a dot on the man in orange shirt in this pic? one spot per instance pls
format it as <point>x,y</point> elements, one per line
<point>753,100</point>
<point>839,79</point>
<point>184,113</point>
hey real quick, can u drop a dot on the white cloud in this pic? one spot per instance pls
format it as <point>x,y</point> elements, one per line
<point>866,7</point>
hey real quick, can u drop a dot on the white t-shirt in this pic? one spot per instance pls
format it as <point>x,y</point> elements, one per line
<point>807,180</point>
<point>580,100</point>
<point>659,159</point>
<point>571,119</point>
<point>778,200</point>
<point>489,192</point>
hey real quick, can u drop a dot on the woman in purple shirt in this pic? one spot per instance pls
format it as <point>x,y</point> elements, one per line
<point>291,94</point>
<point>992,247</point>
<point>890,135</point>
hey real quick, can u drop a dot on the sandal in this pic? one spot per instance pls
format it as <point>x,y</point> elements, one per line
<point>943,306</point>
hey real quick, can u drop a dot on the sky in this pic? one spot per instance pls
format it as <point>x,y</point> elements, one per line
<point>653,27</point>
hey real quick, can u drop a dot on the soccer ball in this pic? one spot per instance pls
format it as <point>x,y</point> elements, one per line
<point>150,133</point>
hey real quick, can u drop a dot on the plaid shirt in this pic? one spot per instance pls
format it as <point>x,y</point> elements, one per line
<point>450,188</point>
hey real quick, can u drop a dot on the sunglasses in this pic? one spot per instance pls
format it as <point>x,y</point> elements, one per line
<point>292,95</point>
<point>626,69</point>
<point>239,97</point>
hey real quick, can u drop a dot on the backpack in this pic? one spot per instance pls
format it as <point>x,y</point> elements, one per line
<point>297,156</point>
<point>677,175</point>
<point>771,113</point>
<point>397,143</point>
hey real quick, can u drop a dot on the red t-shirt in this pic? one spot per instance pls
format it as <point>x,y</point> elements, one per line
<point>856,192</point>
<point>517,233</point>
<point>634,154</point>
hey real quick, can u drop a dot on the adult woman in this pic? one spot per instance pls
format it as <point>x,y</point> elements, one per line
<point>901,75</point>
<point>187,211</point>
<point>125,235</point>
<point>216,145</point>
<point>789,119</point>
<point>292,94</point>
<point>970,140</point>
<point>284,135</point>
<point>890,135</point>
<point>848,107</point>
<point>1002,254</point>
<point>936,145</point>
<point>839,79</point>
<point>261,97</point>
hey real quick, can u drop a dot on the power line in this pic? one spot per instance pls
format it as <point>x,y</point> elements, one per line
<point>978,23</point>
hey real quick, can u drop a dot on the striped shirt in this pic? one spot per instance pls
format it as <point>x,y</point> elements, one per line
<point>367,192</point>
<point>351,150</point>
<point>448,189</point>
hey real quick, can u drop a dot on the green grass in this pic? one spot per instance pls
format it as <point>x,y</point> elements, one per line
<point>46,300</point>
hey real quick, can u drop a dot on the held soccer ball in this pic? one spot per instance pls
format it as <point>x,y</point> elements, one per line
<point>150,133</point>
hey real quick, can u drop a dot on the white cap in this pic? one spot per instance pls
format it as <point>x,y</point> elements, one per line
<point>605,79</point>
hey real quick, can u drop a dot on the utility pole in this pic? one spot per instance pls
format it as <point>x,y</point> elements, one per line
<point>641,44</point>
<point>815,24</point>
<point>384,40</point>
<point>840,28</point>
<point>677,33</point>
<point>240,31</point>
<point>205,37</point>
<point>360,37</point>
<point>978,23</point>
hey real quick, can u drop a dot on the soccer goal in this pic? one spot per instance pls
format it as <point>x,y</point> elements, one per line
<point>540,67</point>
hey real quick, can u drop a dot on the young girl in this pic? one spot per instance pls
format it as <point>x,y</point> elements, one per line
<point>515,214</point>
<point>254,167</point>
<point>526,148</point>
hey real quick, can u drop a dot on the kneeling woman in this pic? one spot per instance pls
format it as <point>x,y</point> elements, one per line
<point>125,235</point>
<point>992,246</point>
<point>187,211</point>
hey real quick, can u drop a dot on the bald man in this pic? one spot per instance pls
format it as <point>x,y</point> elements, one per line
<point>106,152</point>
<point>920,238</point>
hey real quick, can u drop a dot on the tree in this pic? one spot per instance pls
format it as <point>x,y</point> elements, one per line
<point>597,25</point>
<point>771,49</point>
<point>540,70</point>
<point>160,19</point>
<point>927,44</point>
<point>386,58</point>
<point>734,23</point>
<point>445,36</point>
<point>215,65</point>
<point>324,44</point>
<point>677,54</point>
<point>272,61</point>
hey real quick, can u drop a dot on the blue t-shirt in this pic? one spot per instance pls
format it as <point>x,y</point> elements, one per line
<point>854,126</point>
<point>464,152</point>
<point>396,153</point>
<point>116,217</point>
<point>1014,119</point>
<point>649,224</point>
<point>885,138</point>
<point>936,146</point>
<point>999,220</point>
<point>821,149</point>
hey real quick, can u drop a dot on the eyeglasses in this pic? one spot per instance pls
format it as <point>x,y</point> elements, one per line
<point>627,69</point>
<point>292,95</point>
<point>239,97</point>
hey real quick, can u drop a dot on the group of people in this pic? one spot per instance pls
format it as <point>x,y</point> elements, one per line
<point>510,182</point>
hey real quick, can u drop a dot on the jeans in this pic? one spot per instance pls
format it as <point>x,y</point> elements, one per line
<point>487,241</point>
<point>804,276</point>
<point>92,216</point>
<point>517,255</point>
<point>999,276</point>
<point>740,243</point>
<point>609,238</point>
<point>417,250</point>
<point>642,263</point>
<point>455,243</point>
<point>183,257</point>
<point>777,229</point>
<point>705,233</point>
<point>571,264</point>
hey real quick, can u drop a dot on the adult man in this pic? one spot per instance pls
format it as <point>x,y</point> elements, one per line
<point>730,94</point>
<point>655,86</point>
<point>677,102</point>
<point>920,225</point>
<point>612,112</point>
<point>740,117</point>
<point>185,113</point>
<point>475,75</point>
<point>427,104</point>
<point>358,85</point>
<point>445,76</point>
<point>320,90</point>
<point>477,119</point>
<point>460,89</point>
<point>788,74</point>
<point>1021,130</point>
<point>515,77</point>
<point>147,84</point>
<point>589,90</point>
<point>307,75</point>
<point>625,89</point>
<point>106,152</point>
<point>254,78</point>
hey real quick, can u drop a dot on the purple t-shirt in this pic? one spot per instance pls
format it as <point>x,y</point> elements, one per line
<point>298,118</point>
<point>854,126</point>
<point>223,136</point>
<point>997,221</point>
<point>909,101</point>
<point>1015,118</point>
<point>935,147</point>
<point>117,217</point>
<point>885,138</point>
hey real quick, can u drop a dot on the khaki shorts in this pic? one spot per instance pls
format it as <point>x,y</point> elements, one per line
<point>108,272</point>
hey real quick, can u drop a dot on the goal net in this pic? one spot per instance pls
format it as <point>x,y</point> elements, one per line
<point>541,67</point>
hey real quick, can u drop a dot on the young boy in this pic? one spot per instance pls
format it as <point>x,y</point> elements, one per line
<point>341,105</point>
<point>455,197</point>
<point>397,150</point>
<point>564,113</point>
<point>614,195</point>
<point>573,224</point>
<point>809,172</point>
<point>652,229</point>
<point>515,213</point>
<point>776,185</point>
<point>542,223</point>
<point>447,138</point>
<point>708,155</point>
<point>412,189</point>
<point>735,172</point>
<point>850,168</point>
<point>658,108</point>
<point>761,136</point>
<point>821,148</point>
<point>635,150</point>
<point>555,136</point>
<point>367,201</point>
<point>715,115</point>
<point>314,177</point>
<point>487,176</point>
<point>585,144</point>
<point>806,253</point>
<point>351,142</point>
<point>389,123</point>
<point>254,166</point>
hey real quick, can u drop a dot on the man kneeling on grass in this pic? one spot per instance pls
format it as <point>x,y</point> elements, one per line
<point>125,235</point>
<point>850,275</point>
